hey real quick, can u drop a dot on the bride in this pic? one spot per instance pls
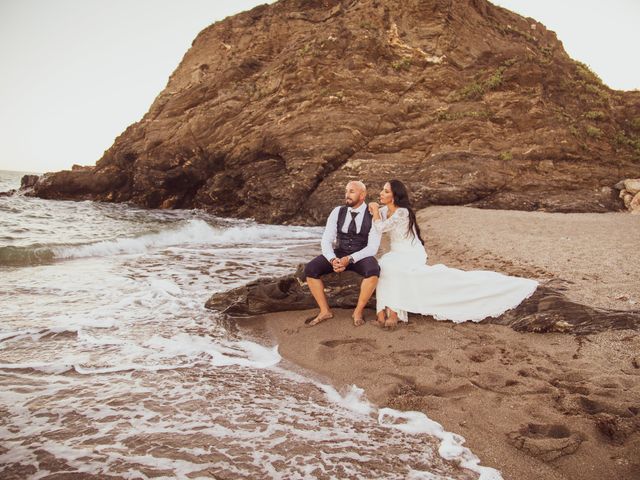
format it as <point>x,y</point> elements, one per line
<point>408,284</point>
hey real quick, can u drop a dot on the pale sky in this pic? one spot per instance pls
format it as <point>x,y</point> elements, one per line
<point>76,73</point>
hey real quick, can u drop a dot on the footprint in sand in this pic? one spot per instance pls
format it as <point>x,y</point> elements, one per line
<point>616,429</point>
<point>545,441</point>
<point>481,354</point>
<point>358,346</point>
<point>347,341</point>
<point>417,354</point>
<point>408,358</point>
<point>570,387</point>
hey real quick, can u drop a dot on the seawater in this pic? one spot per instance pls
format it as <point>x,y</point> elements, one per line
<point>111,367</point>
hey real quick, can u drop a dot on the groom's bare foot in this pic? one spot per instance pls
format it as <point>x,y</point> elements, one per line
<point>321,317</point>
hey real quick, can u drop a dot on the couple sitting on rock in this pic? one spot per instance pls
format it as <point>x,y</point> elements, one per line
<point>405,283</point>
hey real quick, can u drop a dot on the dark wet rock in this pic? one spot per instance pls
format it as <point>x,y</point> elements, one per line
<point>289,292</point>
<point>80,184</point>
<point>547,310</point>
<point>8,193</point>
<point>28,181</point>
<point>466,102</point>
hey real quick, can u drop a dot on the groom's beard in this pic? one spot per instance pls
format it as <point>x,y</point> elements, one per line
<point>348,202</point>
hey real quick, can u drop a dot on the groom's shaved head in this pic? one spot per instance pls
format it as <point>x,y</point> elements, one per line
<point>357,184</point>
<point>355,193</point>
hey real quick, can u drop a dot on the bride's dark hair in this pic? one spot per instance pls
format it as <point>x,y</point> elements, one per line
<point>401,199</point>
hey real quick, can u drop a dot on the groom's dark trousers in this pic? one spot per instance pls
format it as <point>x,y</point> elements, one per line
<point>367,267</point>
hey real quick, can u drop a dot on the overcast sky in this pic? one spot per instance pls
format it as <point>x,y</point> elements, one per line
<point>76,73</point>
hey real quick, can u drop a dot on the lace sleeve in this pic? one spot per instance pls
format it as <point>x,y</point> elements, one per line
<point>399,219</point>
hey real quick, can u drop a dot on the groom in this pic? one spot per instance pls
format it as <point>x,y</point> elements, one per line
<point>349,228</point>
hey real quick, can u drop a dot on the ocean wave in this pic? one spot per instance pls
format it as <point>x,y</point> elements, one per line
<point>53,368</point>
<point>23,256</point>
<point>243,353</point>
<point>158,352</point>
<point>43,367</point>
<point>192,232</point>
<point>74,331</point>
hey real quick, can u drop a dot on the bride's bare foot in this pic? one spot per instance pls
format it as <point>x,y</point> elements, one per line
<point>380,318</point>
<point>358,319</point>
<point>392,321</point>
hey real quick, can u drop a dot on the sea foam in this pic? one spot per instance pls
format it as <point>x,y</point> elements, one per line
<point>189,232</point>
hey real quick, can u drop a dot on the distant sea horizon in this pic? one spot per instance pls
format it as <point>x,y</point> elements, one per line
<point>11,179</point>
<point>20,171</point>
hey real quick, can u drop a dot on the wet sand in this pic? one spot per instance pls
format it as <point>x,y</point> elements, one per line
<point>535,406</point>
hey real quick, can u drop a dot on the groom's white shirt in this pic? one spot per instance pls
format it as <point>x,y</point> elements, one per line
<point>331,232</point>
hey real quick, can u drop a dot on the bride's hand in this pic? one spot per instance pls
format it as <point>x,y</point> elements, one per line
<point>373,207</point>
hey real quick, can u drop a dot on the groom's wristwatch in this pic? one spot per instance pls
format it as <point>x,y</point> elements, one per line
<point>351,259</point>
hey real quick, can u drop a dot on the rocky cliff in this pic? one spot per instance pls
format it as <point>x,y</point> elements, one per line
<point>272,110</point>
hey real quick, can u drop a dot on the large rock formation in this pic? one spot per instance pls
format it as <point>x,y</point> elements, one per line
<point>272,110</point>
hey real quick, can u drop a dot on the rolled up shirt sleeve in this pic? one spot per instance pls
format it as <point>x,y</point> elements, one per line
<point>329,235</point>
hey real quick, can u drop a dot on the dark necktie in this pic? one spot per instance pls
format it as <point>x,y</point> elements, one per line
<point>352,225</point>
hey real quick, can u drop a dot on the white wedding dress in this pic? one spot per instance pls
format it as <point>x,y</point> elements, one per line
<point>408,284</point>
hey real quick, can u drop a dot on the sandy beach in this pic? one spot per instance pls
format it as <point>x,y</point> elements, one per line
<point>593,256</point>
<point>534,406</point>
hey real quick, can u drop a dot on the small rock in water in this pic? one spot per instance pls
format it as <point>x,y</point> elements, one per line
<point>28,181</point>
